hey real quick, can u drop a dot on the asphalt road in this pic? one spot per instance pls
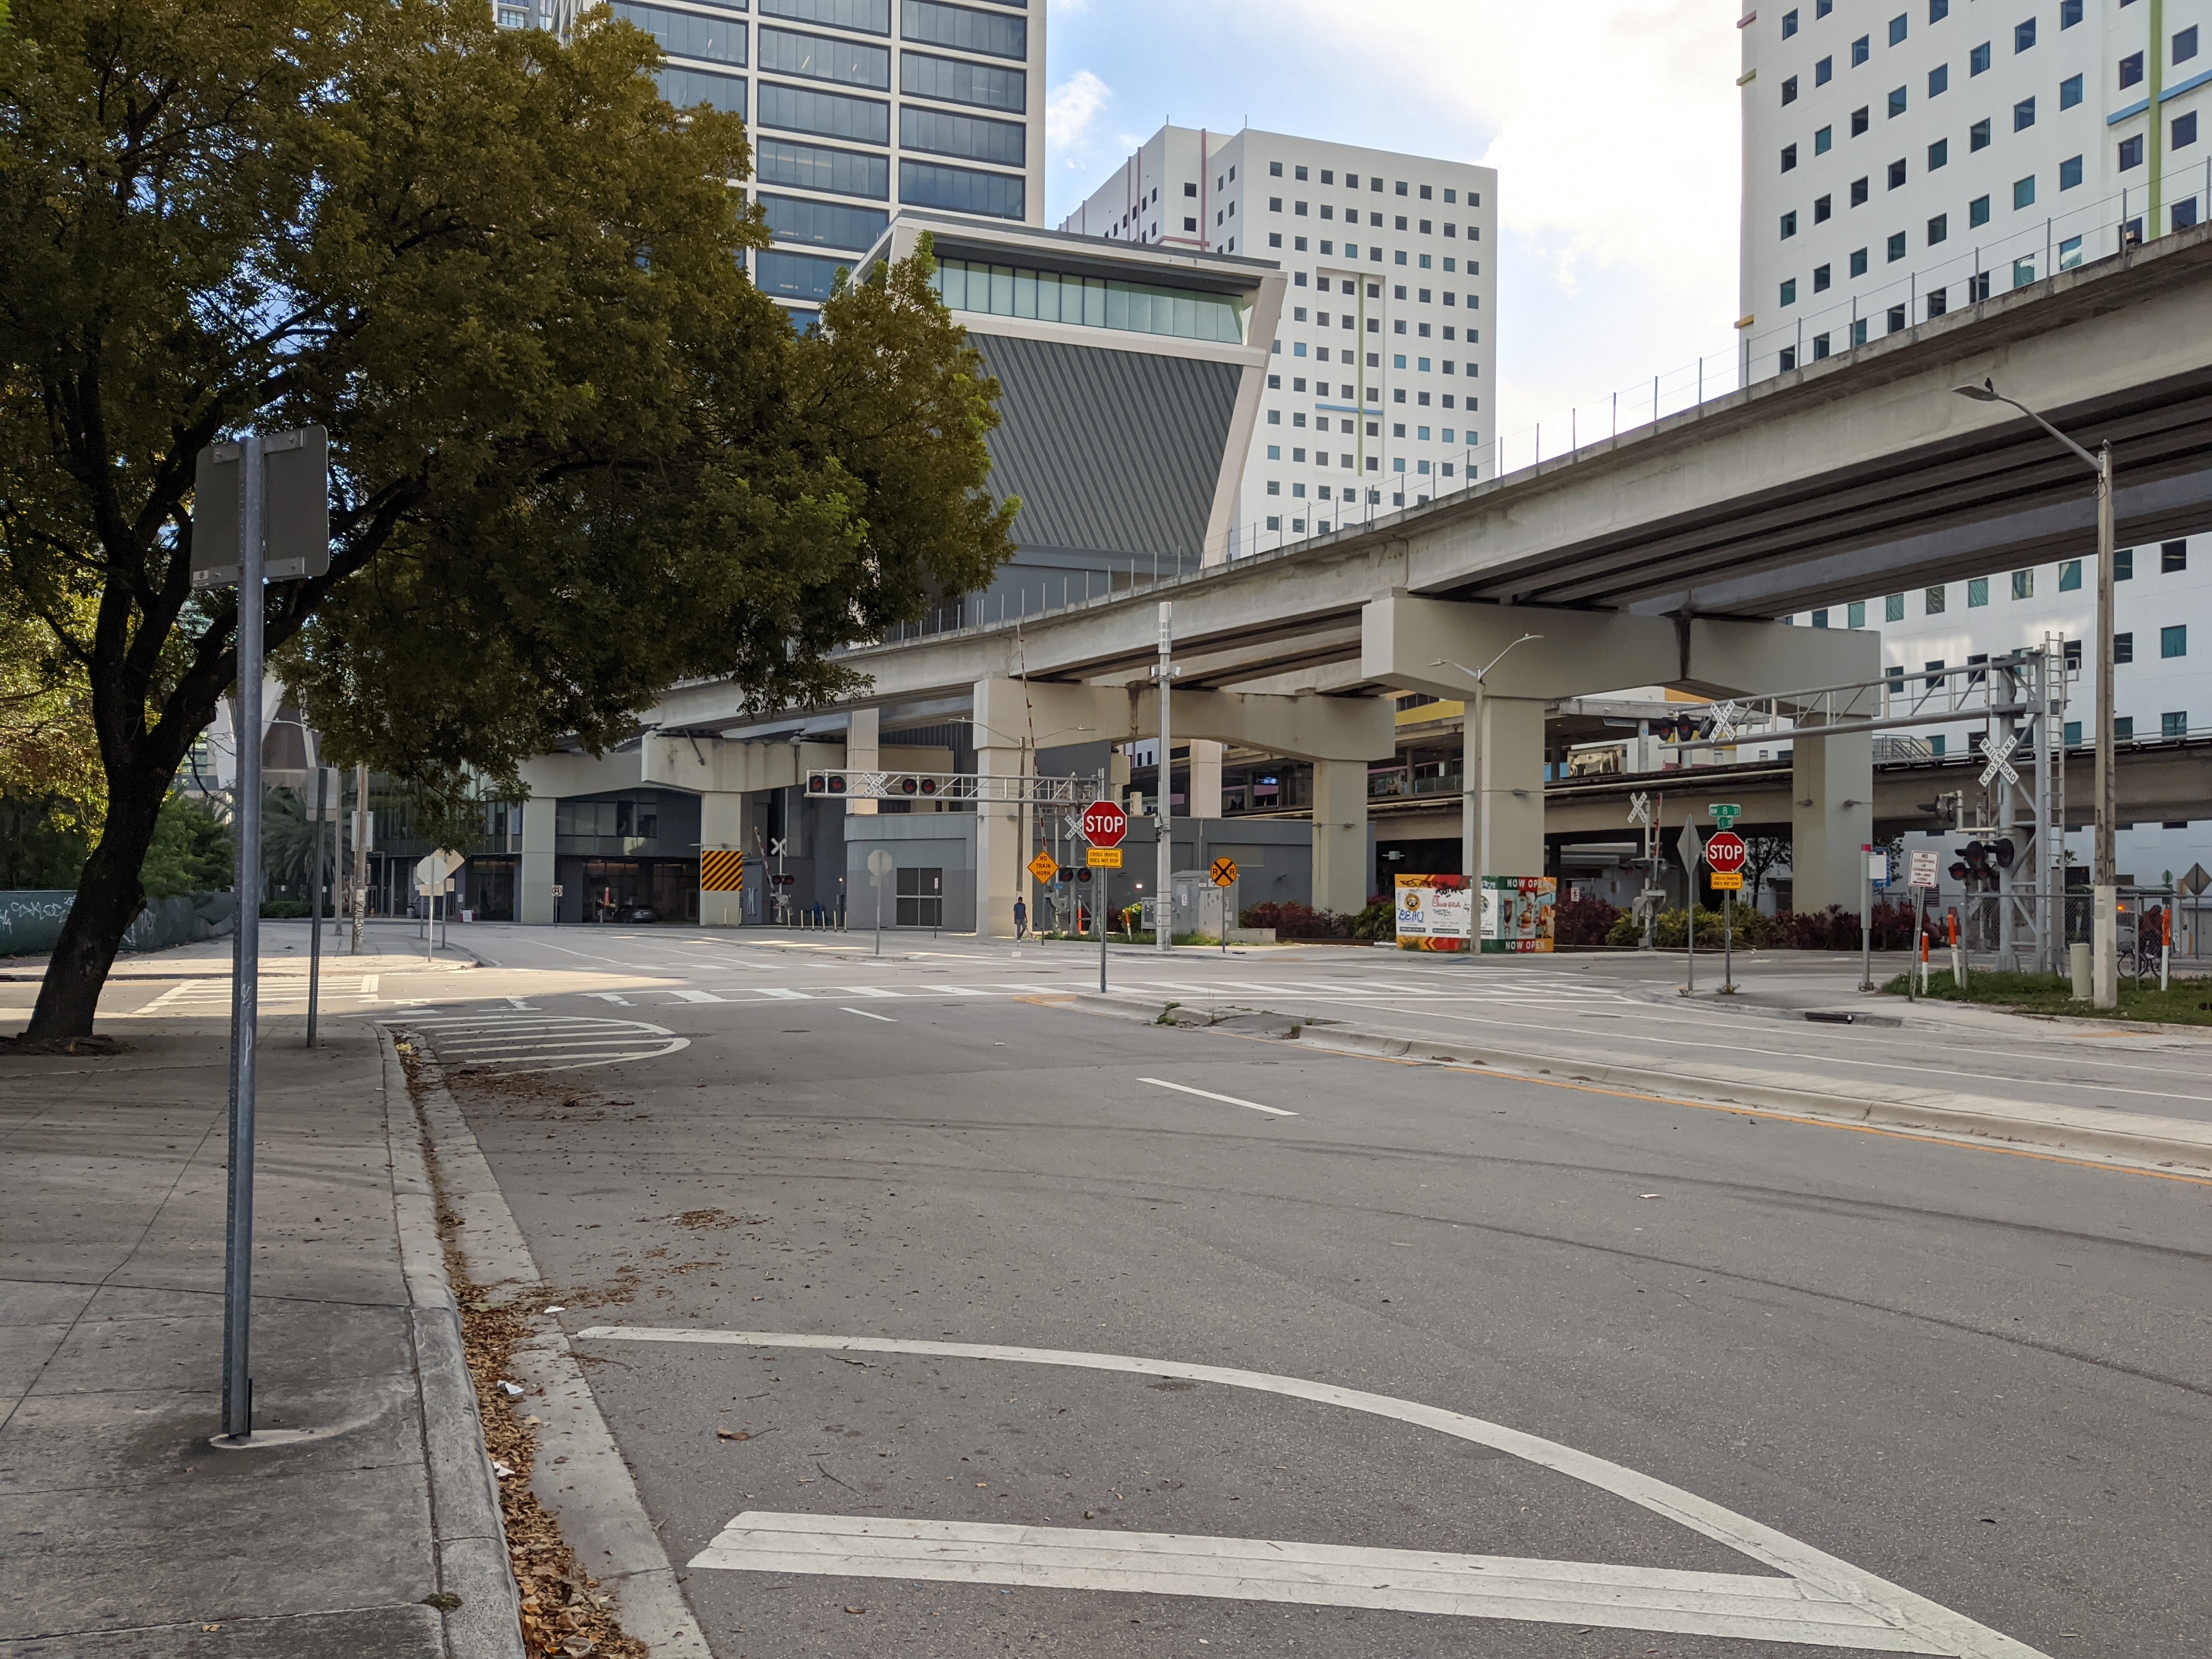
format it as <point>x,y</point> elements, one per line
<point>1979,1376</point>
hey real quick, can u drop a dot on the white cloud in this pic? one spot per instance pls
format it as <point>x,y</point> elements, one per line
<point>1071,108</point>
<point>1614,125</point>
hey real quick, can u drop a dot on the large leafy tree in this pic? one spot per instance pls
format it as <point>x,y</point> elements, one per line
<point>576,455</point>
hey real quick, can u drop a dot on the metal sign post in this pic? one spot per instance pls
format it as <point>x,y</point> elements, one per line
<point>1692,853</point>
<point>1164,907</point>
<point>879,865</point>
<point>260,511</point>
<point>1866,915</point>
<point>1222,874</point>
<point>315,907</point>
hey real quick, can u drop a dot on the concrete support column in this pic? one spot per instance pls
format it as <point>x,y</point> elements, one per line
<point>722,824</point>
<point>863,752</point>
<point>1511,781</point>
<point>1205,796</point>
<point>533,881</point>
<point>1341,873</point>
<point>1831,816</point>
<point>1000,855</point>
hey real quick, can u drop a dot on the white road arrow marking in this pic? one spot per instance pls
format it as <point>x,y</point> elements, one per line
<point>1904,1622</point>
<point>1208,1094</point>
<point>1582,1593</point>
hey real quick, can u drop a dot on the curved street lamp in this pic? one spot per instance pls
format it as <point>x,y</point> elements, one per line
<point>2104,975</point>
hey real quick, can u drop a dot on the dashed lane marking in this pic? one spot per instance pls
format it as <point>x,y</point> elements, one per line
<point>865,1014</point>
<point>1208,1094</point>
<point>1816,1599</point>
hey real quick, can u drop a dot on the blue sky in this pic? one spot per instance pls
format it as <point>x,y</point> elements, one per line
<point>1613,123</point>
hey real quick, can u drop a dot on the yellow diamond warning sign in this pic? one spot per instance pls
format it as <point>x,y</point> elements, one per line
<point>1044,867</point>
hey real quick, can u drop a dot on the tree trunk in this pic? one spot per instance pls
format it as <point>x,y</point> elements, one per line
<point>109,898</point>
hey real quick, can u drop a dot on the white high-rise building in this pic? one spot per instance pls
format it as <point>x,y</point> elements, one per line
<point>1386,356</point>
<point>1903,158</point>
<point>855,108</point>
<point>1903,161</point>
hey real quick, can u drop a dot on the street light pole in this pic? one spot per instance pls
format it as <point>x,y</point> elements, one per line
<point>1471,759</point>
<point>2105,930</point>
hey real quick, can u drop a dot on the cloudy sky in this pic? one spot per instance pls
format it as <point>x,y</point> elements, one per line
<point>1613,124</point>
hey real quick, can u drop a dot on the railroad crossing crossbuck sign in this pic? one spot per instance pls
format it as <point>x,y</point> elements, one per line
<point>1223,872</point>
<point>1104,824</point>
<point>2000,757</point>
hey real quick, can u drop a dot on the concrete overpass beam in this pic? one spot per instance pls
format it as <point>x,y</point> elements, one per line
<point>1341,873</point>
<point>533,880</point>
<point>1831,816</point>
<point>863,753</point>
<point>1414,643</point>
<point>1204,801</point>
<point>1512,780</point>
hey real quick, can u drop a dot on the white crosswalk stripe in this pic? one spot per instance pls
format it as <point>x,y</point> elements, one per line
<point>513,1043</point>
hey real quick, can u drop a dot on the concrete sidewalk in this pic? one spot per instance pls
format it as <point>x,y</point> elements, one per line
<point>127,1532</point>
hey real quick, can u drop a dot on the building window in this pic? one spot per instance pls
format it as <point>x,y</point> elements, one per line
<point>1789,158</point>
<point>1934,606</point>
<point>1275,522</point>
<point>1977,592</point>
<point>1820,278</point>
<point>1896,175</point>
<point>1821,347</point>
<point>2131,70</point>
<point>1939,155</point>
<point>1824,209</point>
<point>1978,60</point>
<point>1977,212</point>
<point>1859,262</point>
<point>2123,648</point>
<point>1862,49</point>
<point>2070,576</point>
<point>2174,641</point>
<point>1892,607</point>
<point>1977,136</point>
<point>1939,80</point>
<point>2174,725</point>
<point>1823,71</point>
<point>1789,90</point>
<point>1855,614</point>
<point>1938,10</point>
<point>1819,619</point>
<point>2069,92</point>
<point>1897,103</point>
<point>1897,248</point>
<point>2123,731</point>
<point>2070,13</point>
<point>1938,228</point>
<point>2023,192</point>
<point>1824,141</point>
<point>1789,24</point>
<point>2124,564</point>
<point>2069,173</point>
<point>2172,557</point>
<point>1897,30</point>
<point>2184,131</point>
<point>1859,193</point>
<point>2184,44</point>
<point>1788,226</point>
<point>2023,35</point>
<point>2023,115</point>
<point>1861,118</point>
<point>1939,301</point>
<point>1789,291</point>
<point>2073,734</point>
<point>2132,152</point>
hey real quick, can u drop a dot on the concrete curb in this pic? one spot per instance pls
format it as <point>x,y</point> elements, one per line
<point>466,1531</point>
<point>579,1475</point>
<point>2138,1139</point>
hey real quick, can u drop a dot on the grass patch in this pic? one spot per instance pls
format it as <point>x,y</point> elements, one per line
<point>2188,1002</point>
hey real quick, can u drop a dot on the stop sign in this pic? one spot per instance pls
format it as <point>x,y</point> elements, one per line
<point>1725,852</point>
<point>1104,824</point>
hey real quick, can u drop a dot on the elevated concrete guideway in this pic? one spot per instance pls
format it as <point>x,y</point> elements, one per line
<point>1658,557</point>
<point>1849,476</point>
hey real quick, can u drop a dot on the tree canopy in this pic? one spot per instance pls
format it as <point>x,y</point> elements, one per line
<point>576,455</point>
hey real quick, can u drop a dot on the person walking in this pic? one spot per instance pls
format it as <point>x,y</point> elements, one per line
<point>1021,920</point>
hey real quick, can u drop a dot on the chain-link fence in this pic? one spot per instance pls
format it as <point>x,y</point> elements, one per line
<point>1999,930</point>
